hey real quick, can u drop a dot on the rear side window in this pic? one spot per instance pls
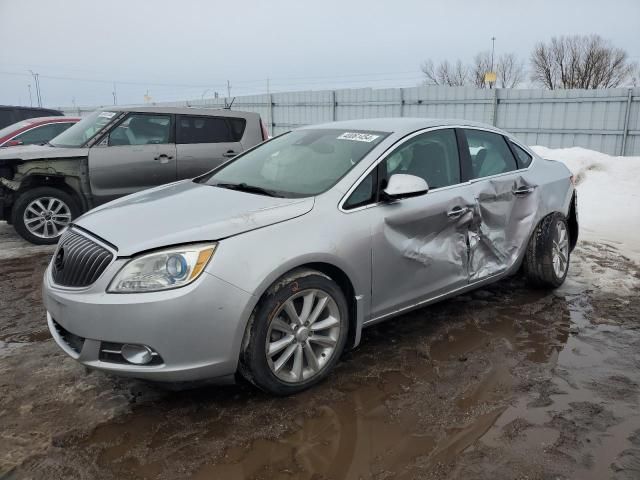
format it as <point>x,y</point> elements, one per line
<point>524,159</point>
<point>490,154</point>
<point>192,129</point>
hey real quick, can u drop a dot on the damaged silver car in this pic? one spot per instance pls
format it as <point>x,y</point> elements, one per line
<point>272,264</point>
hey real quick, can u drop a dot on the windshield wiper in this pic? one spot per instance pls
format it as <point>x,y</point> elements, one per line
<point>243,187</point>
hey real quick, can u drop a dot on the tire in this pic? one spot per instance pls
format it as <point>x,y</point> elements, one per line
<point>272,326</point>
<point>546,247</point>
<point>25,219</point>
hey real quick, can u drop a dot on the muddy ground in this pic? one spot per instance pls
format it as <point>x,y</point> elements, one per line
<point>503,383</point>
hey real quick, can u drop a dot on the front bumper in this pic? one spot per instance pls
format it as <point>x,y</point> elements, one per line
<point>196,330</point>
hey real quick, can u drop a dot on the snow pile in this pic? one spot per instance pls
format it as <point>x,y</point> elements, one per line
<point>608,196</point>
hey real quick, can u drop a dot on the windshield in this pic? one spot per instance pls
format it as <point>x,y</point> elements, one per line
<point>80,133</point>
<point>301,163</point>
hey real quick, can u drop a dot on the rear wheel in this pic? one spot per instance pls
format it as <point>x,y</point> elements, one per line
<point>41,214</point>
<point>546,261</point>
<point>297,333</point>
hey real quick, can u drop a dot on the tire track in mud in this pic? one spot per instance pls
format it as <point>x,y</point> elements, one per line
<point>499,383</point>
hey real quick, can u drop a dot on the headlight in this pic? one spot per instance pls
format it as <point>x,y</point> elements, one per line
<point>163,270</point>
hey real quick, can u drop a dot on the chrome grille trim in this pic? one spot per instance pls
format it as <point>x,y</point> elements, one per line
<point>79,260</point>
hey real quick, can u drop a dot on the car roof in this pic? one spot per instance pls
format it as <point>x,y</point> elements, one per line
<point>49,119</point>
<point>402,125</point>
<point>222,112</point>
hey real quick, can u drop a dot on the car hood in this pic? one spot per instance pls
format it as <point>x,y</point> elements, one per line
<point>186,212</point>
<point>36,152</point>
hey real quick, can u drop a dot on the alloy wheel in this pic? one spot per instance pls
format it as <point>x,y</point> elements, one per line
<point>560,250</point>
<point>303,335</point>
<point>47,217</point>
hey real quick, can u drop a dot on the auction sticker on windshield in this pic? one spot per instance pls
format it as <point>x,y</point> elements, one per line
<point>358,137</point>
<point>107,114</point>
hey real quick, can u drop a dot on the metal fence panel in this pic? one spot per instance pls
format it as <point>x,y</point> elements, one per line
<point>603,120</point>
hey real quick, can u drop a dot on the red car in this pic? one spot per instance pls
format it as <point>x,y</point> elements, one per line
<point>34,131</point>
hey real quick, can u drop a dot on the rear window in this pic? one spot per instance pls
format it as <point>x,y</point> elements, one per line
<point>196,129</point>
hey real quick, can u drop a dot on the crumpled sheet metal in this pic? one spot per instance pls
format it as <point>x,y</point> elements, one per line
<point>501,226</point>
<point>486,240</point>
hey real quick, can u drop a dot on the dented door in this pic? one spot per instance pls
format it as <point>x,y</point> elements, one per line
<point>420,248</point>
<point>505,205</point>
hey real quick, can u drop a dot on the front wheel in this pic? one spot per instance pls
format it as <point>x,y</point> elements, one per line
<point>41,214</point>
<point>546,261</point>
<point>296,334</point>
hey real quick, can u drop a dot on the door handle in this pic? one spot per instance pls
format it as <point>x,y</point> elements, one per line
<point>457,212</point>
<point>229,154</point>
<point>163,157</point>
<point>523,191</point>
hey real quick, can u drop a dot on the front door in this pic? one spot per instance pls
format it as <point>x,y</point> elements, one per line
<point>138,153</point>
<point>203,143</point>
<point>419,247</point>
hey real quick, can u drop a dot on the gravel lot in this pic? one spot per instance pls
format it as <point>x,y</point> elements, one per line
<point>505,382</point>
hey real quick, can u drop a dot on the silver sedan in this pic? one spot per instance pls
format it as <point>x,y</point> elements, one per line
<point>272,264</point>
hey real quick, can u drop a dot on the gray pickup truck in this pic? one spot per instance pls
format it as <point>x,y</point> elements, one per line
<point>111,153</point>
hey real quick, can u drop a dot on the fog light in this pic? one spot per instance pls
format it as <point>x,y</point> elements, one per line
<point>136,354</point>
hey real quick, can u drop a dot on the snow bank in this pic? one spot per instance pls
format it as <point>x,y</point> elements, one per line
<point>608,196</point>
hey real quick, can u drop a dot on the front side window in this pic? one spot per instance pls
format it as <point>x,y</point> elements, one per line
<point>432,156</point>
<point>83,131</point>
<point>142,129</point>
<point>298,164</point>
<point>194,129</point>
<point>42,134</point>
<point>364,194</point>
<point>490,154</point>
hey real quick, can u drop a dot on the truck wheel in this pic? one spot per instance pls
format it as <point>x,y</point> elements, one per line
<point>41,214</point>
<point>296,333</point>
<point>546,261</point>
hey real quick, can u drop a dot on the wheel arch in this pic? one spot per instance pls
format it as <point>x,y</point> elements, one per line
<point>335,273</point>
<point>53,181</point>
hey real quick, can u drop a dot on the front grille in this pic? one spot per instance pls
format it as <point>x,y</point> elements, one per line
<point>78,261</point>
<point>74,341</point>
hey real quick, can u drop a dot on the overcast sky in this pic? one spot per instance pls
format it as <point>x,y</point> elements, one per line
<point>181,49</point>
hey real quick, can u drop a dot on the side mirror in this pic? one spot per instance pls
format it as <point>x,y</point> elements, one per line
<point>403,186</point>
<point>13,143</point>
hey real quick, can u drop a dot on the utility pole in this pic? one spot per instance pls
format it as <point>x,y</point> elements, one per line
<point>30,98</point>
<point>37,82</point>
<point>228,89</point>
<point>493,49</point>
<point>115,94</point>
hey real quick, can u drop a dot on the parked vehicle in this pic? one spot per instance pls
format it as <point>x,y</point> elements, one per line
<point>113,153</point>
<point>10,115</point>
<point>271,264</point>
<point>35,131</point>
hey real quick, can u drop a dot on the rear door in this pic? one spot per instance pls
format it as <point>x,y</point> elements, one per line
<point>138,153</point>
<point>204,142</point>
<point>506,203</point>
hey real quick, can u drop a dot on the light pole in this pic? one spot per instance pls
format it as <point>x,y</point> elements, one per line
<point>493,49</point>
<point>30,98</point>
<point>37,82</point>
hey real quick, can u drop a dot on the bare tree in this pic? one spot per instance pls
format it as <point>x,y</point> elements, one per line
<point>509,68</point>
<point>445,73</point>
<point>580,62</point>
<point>510,71</point>
<point>481,65</point>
